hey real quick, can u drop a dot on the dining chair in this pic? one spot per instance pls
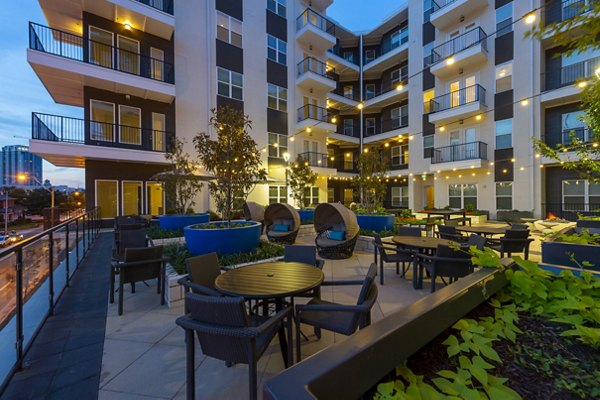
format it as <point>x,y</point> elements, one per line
<point>409,231</point>
<point>513,241</point>
<point>339,318</point>
<point>389,254</point>
<point>134,238</point>
<point>201,274</point>
<point>306,254</point>
<point>447,262</point>
<point>227,332</point>
<point>475,240</point>
<point>518,226</point>
<point>450,233</point>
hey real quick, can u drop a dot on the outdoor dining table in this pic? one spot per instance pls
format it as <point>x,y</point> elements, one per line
<point>422,244</point>
<point>484,230</point>
<point>270,280</point>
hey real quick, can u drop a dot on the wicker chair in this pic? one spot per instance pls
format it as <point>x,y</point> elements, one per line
<point>282,214</point>
<point>335,216</point>
<point>254,212</point>
<point>202,272</point>
<point>302,253</point>
<point>139,264</point>
<point>447,262</point>
<point>226,332</point>
<point>513,241</point>
<point>339,318</point>
<point>395,255</point>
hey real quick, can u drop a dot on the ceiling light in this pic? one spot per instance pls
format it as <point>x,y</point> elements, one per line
<point>478,117</point>
<point>309,129</point>
<point>442,128</point>
<point>450,61</point>
<point>333,120</point>
<point>399,87</point>
<point>360,106</point>
<point>127,25</point>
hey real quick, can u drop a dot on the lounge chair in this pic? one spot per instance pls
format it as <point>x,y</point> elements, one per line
<point>337,231</point>
<point>282,223</point>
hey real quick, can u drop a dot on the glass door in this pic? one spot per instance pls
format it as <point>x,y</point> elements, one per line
<point>100,47</point>
<point>471,143</point>
<point>470,90</point>
<point>128,53</point>
<point>455,145</point>
<point>102,121</point>
<point>130,125</point>
<point>131,199</point>
<point>454,94</point>
<point>158,132</point>
<point>157,64</point>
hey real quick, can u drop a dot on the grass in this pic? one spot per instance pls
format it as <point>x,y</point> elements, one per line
<point>26,225</point>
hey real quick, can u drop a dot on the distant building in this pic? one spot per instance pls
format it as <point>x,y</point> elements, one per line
<point>15,160</point>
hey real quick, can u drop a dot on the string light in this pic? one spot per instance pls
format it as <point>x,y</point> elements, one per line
<point>530,18</point>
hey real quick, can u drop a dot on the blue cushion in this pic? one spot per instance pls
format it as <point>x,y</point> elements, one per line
<point>336,235</point>
<point>281,228</point>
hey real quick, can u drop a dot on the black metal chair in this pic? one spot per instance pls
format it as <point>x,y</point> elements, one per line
<point>450,233</point>
<point>518,226</point>
<point>447,262</point>
<point>226,332</point>
<point>139,264</point>
<point>202,272</point>
<point>306,254</point>
<point>389,254</point>
<point>126,239</point>
<point>409,231</point>
<point>513,241</point>
<point>339,318</point>
<point>475,240</point>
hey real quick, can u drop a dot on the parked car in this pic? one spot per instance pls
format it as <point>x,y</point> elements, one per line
<point>10,238</point>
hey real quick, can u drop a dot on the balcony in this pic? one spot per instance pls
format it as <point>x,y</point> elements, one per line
<point>457,105</point>
<point>387,128</point>
<point>445,13</point>
<point>344,67</point>
<point>562,84</point>
<point>68,142</point>
<point>316,76</point>
<point>462,156</point>
<point>389,95</point>
<point>65,63</point>
<point>556,139</point>
<point>468,50</point>
<point>312,29</point>
<point>319,160</point>
<point>391,49</point>
<point>562,11</point>
<point>316,119</point>
<point>338,99</point>
<point>151,16</point>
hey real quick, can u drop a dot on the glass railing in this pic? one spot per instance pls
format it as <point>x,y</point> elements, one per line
<point>460,152</point>
<point>318,159</point>
<point>457,98</point>
<point>392,86</point>
<point>78,48</point>
<point>582,134</point>
<point>310,111</point>
<point>311,17</point>
<point>311,64</point>
<point>582,70</point>
<point>161,5</point>
<point>440,4</point>
<point>562,11</point>
<point>458,44</point>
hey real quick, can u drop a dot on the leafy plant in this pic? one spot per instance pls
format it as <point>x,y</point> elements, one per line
<point>233,160</point>
<point>156,232</point>
<point>370,182</point>
<point>264,251</point>
<point>300,177</point>
<point>177,254</point>
<point>576,238</point>
<point>360,210</point>
<point>405,213</point>
<point>224,225</point>
<point>370,233</point>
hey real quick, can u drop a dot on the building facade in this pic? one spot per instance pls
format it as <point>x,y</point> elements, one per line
<point>450,91</point>
<point>18,160</point>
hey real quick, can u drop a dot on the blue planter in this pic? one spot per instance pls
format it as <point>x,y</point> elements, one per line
<point>559,253</point>
<point>557,269</point>
<point>588,223</point>
<point>376,223</point>
<point>307,215</point>
<point>175,222</point>
<point>223,241</point>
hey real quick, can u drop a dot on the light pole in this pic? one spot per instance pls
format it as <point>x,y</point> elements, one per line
<point>5,211</point>
<point>286,158</point>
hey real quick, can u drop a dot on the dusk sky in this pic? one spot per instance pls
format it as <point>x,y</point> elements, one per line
<point>21,92</point>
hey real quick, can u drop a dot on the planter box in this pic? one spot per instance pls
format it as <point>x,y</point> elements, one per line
<point>557,269</point>
<point>478,219</point>
<point>306,230</point>
<point>307,214</point>
<point>376,223</point>
<point>588,223</point>
<point>223,241</point>
<point>166,241</point>
<point>175,222</point>
<point>559,253</point>
<point>513,216</point>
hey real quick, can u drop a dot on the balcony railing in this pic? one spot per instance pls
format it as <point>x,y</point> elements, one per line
<point>310,111</point>
<point>460,152</point>
<point>336,50</point>
<point>458,44</point>
<point>161,5</point>
<point>354,95</point>
<point>389,88</point>
<point>582,134</point>
<point>311,64</point>
<point>79,48</point>
<point>582,70</point>
<point>315,19</point>
<point>387,125</point>
<point>317,159</point>
<point>559,12</point>
<point>457,98</point>
<point>55,128</point>
<point>439,4</point>
<point>391,44</point>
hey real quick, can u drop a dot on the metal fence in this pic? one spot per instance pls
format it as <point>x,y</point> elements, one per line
<point>460,152</point>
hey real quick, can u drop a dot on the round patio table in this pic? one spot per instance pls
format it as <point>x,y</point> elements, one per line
<point>483,230</point>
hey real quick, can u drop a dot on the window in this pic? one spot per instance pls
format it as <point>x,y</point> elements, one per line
<point>229,29</point>
<point>229,84</point>
<point>330,195</point>
<point>349,91</point>
<point>101,47</point>
<point>369,56</point>
<point>399,75</point>
<point>276,50</point>
<point>348,196</point>
<point>504,195</point>
<point>278,144</point>
<point>128,56</point>
<point>154,198</point>
<point>504,133</point>
<point>400,155</point>
<point>504,20</point>
<point>399,196</point>
<point>130,125</point>
<point>311,196</point>
<point>103,120</point>
<point>349,161</point>
<point>106,198</point>
<point>349,127</point>
<point>461,195</point>
<point>580,195</point>
<point>157,64</point>
<point>131,198</point>
<point>571,122</point>
<point>277,194</point>
<point>579,57</point>
<point>399,116</point>
<point>427,57</point>
<point>277,6</point>
<point>427,97</point>
<point>504,77</point>
<point>159,139</point>
<point>276,97</point>
<point>349,55</point>
<point>369,90</point>
<point>369,126</point>
<point>428,145</point>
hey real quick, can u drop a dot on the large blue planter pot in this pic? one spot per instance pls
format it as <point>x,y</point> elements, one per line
<point>175,222</point>
<point>224,241</point>
<point>588,223</point>
<point>559,253</point>
<point>376,223</point>
<point>557,269</point>
<point>307,215</point>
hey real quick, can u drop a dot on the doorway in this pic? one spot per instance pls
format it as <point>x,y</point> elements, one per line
<point>429,196</point>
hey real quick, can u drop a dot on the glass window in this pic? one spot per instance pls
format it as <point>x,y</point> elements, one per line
<point>157,64</point>
<point>131,198</point>
<point>330,195</point>
<point>102,121</point>
<point>128,55</point>
<point>349,160</point>
<point>101,47</point>
<point>428,145</point>
<point>427,97</point>
<point>154,198</point>
<point>504,16</point>
<point>277,6</point>
<point>229,84</point>
<point>504,133</point>
<point>159,127</point>
<point>370,126</point>
<point>399,196</point>
<point>369,91</point>
<point>399,155</point>
<point>106,198</point>
<point>573,124</point>
<point>580,195</point>
<point>504,195</point>
<point>276,50</point>
<point>312,196</point>
<point>229,29</point>
<point>349,127</point>
<point>349,55</point>
<point>427,58</point>
<point>461,195</point>
<point>504,77</point>
<point>369,56</point>
<point>348,196</point>
<point>278,144</point>
<point>277,194</point>
<point>276,97</point>
<point>349,91</point>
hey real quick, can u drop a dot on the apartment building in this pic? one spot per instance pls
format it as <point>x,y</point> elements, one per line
<point>436,87</point>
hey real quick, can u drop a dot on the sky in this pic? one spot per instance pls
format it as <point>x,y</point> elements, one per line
<point>21,92</point>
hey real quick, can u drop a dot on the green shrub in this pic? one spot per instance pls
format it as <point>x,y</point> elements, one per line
<point>156,232</point>
<point>576,238</point>
<point>370,233</point>
<point>177,253</point>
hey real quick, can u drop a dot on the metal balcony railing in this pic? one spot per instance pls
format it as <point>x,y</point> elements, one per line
<point>570,74</point>
<point>562,11</point>
<point>440,4</point>
<point>387,125</point>
<point>458,44</point>
<point>79,48</point>
<point>460,152</point>
<point>315,19</point>
<point>311,64</point>
<point>55,128</point>
<point>398,86</point>
<point>161,5</point>
<point>336,50</point>
<point>457,98</point>
<point>317,159</point>
<point>310,111</point>
<point>391,44</point>
<point>582,134</point>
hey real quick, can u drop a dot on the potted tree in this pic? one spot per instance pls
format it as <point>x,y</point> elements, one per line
<point>181,186</point>
<point>301,177</point>
<point>235,166</point>
<point>370,183</point>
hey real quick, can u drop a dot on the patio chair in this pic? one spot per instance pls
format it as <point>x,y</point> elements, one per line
<point>513,241</point>
<point>518,226</point>
<point>282,223</point>
<point>475,240</point>
<point>306,254</point>
<point>337,231</point>
<point>140,264</point>
<point>126,239</point>
<point>202,272</point>
<point>446,262</point>
<point>254,212</point>
<point>226,332</point>
<point>339,318</point>
<point>450,233</point>
<point>395,255</point>
<point>409,231</point>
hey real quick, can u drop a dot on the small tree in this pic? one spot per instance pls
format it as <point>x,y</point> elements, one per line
<point>233,159</point>
<point>181,183</point>
<point>301,176</point>
<point>370,182</point>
